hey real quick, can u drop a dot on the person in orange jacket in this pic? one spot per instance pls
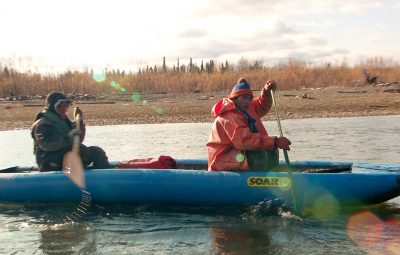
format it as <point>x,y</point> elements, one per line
<point>238,139</point>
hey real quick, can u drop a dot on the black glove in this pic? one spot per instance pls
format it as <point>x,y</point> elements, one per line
<point>283,143</point>
<point>77,111</point>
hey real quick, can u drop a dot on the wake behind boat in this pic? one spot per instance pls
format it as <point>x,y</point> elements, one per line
<point>317,183</point>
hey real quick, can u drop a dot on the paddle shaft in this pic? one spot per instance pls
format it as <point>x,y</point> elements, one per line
<point>279,127</point>
<point>285,152</point>
<point>77,140</point>
<point>72,162</point>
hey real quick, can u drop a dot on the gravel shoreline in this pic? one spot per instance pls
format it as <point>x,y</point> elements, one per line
<point>195,107</point>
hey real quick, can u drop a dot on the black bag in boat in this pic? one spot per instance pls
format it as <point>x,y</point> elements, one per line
<point>263,160</point>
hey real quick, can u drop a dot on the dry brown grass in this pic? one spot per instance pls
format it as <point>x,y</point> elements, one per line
<point>293,74</point>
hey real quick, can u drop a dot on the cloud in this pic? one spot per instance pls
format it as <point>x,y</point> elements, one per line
<point>277,35</point>
<point>192,33</point>
<point>315,40</point>
<point>282,8</point>
<point>315,54</point>
<point>234,7</point>
<point>359,7</point>
<point>106,31</point>
<point>217,48</point>
<point>253,40</point>
<point>281,28</point>
<point>264,8</point>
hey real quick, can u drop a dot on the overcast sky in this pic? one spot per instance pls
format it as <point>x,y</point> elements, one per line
<point>74,34</point>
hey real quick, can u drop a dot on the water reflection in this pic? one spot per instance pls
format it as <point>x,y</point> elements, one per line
<point>70,238</point>
<point>264,229</point>
<point>239,239</point>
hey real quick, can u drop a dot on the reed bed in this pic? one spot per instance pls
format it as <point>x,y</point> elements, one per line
<point>192,78</point>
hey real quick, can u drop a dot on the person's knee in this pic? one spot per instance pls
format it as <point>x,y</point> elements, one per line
<point>95,151</point>
<point>50,166</point>
<point>98,156</point>
<point>273,157</point>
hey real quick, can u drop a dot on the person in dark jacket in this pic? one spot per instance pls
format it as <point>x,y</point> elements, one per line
<point>52,133</point>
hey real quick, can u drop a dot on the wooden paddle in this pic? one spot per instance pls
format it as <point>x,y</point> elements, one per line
<point>72,163</point>
<point>285,153</point>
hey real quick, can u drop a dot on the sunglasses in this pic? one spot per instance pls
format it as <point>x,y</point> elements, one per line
<point>63,103</point>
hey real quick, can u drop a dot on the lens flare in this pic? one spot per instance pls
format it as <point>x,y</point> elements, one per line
<point>320,203</point>
<point>240,157</point>
<point>159,111</point>
<point>115,85</point>
<point>391,233</point>
<point>135,97</point>
<point>123,90</point>
<point>374,235</point>
<point>393,248</point>
<point>325,206</point>
<point>365,229</point>
<point>99,76</point>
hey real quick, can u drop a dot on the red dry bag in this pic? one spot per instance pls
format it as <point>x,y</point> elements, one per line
<point>162,162</point>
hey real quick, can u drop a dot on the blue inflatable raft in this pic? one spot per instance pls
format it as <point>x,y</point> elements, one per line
<point>326,183</point>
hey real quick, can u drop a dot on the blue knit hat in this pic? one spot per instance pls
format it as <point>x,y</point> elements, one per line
<point>240,89</point>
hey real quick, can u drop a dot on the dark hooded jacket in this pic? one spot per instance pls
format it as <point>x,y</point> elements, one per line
<point>50,134</point>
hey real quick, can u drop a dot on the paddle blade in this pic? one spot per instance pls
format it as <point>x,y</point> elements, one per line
<point>72,166</point>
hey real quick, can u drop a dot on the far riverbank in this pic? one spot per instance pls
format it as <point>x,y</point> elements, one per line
<point>195,107</point>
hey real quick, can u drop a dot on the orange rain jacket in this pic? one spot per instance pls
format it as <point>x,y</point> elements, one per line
<point>230,135</point>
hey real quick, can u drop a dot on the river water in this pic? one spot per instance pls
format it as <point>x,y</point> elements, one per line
<point>262,229</point>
